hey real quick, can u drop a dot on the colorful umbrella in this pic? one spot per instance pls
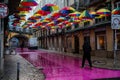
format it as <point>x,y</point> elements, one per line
<point>75,14</point>
<point>42,13</point>
<point>50,7</point>
<point>60,19</point>
<point>50,24</point>
<point>85,15</point>
<point>29,3</point>
<point>24,8</point>
<point>93,14</point>
<point>116,11</point>
<point>38,24</point>
<point>55,15</point>
<point>104,12</point>
<point>66,10</point>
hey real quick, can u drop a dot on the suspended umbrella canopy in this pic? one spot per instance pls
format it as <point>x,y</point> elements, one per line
<point>75,14</point>
<point>116,11</point>
<point>66,22</point>
<point>38,24</point>
<point>29,3</point>
<point>50,24</point>
<point>28,0</point>
<point>85,15</point>
<point>42,13</point>
<point>34,17</point>
<point>24,8</point>
<point>60,19</point>
<point>50,7</point>
<point>69,24</point>
<point>66,10</point>
<point>22,14</point>
<point>48,19</point>
<point>93,14</point>
<point>55,15</point>
<point>104,12</point>
<point>32,20</point>
<point>74,19</point>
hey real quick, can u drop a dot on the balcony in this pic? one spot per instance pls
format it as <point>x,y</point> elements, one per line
<point>95,23</point>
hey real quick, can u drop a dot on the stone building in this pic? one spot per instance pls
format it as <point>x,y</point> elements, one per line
<point>98,32</point>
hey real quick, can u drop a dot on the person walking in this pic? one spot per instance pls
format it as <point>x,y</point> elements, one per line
<point>87,54</point>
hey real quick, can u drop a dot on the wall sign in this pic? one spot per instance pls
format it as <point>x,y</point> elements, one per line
<point>3,10</point>
<point>115,24</point>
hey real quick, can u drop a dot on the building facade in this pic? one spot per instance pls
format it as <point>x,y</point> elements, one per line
<point>2,25</point>
<point>98,32</point>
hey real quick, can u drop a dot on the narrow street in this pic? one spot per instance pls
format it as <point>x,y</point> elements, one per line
<point>62,67</point>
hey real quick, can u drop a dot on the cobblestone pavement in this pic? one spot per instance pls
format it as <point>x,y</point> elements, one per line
<point>27,70</point>
<point>107,63</point>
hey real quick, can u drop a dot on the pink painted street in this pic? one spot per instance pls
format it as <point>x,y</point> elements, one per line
<point>61,67</point>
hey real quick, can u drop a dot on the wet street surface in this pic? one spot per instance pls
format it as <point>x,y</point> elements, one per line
<point>61,67</point>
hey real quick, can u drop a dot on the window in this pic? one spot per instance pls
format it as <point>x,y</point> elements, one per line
<point>101,42</point>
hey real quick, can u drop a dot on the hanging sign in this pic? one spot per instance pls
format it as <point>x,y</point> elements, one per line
<point>3,10</point>
<point>115,24</point>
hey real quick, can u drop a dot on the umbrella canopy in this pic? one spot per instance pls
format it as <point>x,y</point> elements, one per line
<point>93,14</point>
<point>22,8</point>
<point>60,19</point>
<point>50,24</point>
<point>116,11</point>
<point>66,10</point>
<point>39,24</point>
<point>55,15</point>
<point>85,15</point>
<point>29,3</point>
<point>42,13</point>
<point>75,14</point>
<point>104,12</point>
<point>50,7</point>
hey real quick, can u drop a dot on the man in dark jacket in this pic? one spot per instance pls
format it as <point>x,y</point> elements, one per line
<point>86,55</point>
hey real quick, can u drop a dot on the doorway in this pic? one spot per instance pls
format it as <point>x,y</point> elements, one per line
<point>76,44</point>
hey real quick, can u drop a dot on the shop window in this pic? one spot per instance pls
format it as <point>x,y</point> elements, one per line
<point>101,44</point>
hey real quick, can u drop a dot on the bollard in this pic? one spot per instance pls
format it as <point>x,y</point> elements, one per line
<point>18,70</point>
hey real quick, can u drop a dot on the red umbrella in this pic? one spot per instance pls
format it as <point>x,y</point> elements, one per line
<point>42,13</point>
<point>25,3</point>
<point>116,11</point>
<point>38,24</point>
<point>55,15</point>
<point>24,8</point>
